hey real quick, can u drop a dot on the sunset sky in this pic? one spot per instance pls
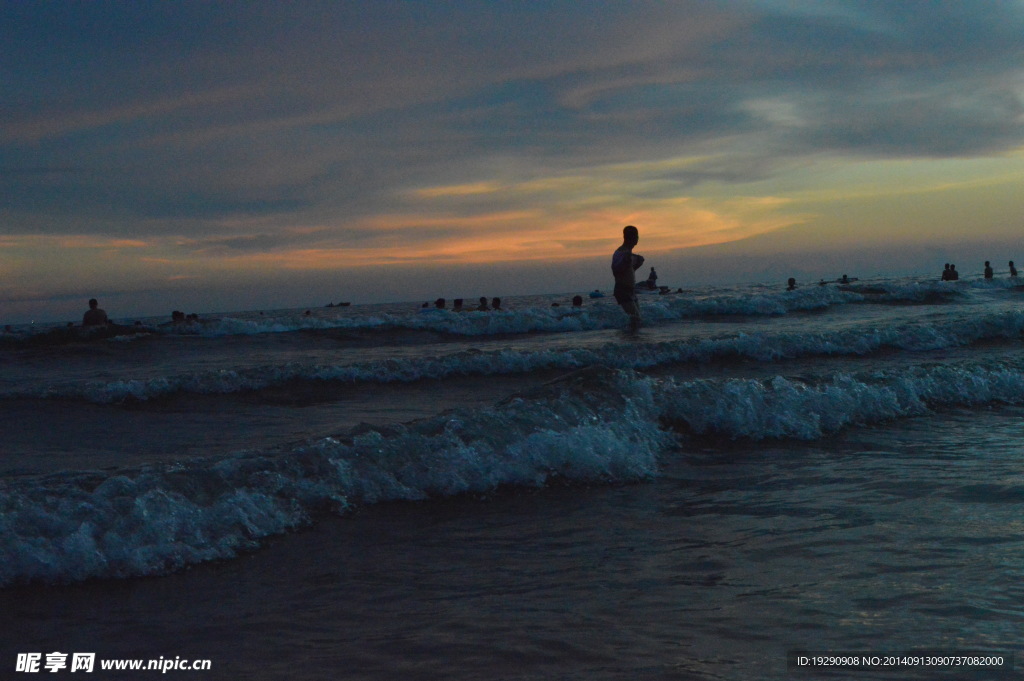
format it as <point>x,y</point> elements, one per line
<point>214,156</point>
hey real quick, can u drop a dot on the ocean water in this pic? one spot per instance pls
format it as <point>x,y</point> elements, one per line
<point>383,492</point>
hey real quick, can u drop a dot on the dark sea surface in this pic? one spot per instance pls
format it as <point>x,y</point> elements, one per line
<point>383,492</point>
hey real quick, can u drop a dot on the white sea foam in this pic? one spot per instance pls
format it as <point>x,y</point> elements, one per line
<point>918,336</point>
<point>539,317</point>
<point>787,408</point>
<point>544,319</point>
<point>604,423</point>
<point>595,424</point>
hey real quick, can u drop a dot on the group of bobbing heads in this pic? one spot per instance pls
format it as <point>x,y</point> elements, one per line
<point>457,305</point>
<point>493,306</point>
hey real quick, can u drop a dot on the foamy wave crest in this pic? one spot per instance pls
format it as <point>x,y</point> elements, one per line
<point>757,303</point>
<point>914,337</point>
<point>787,408</point>
<point>469,323</point>
<point>594,425</point>
<point>596,315</point>
<point>604,314</point>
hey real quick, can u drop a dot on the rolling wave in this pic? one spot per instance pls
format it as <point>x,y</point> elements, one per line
<point>919,336</point>
<point>531,319</point>
<point>596,424</point>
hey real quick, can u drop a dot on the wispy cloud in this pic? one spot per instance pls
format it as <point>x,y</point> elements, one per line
<point>336,134</point>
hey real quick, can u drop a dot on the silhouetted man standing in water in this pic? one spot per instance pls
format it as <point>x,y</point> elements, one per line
<point>625,263</point>
<point>94,316</point>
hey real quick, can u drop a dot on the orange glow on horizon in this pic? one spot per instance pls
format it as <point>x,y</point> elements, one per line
<point>525,236</point>
<point>546,234</point>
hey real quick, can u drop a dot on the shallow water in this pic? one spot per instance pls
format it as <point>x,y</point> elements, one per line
<point>888,538</point>
<point>724,491</point>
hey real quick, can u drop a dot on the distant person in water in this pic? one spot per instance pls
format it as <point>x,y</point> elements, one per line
<point>577,301</point>
<point>457,305</point>
<point>1013,270</point>
<point>483,305</point>
<point>652,280</point>
<point>179,319</point>
<point>496,304</point>
<point>844,280</point>
<point>953,274</point>
<point>94,316</point>
<point>791,284</point>
<point>988,270</point>
<point>625,263</point>
<point>439,304</point>
<point>945,273</point>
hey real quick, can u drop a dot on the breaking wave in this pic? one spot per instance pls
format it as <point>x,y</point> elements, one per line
<point>597,424</point>
<point>768,346</point>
